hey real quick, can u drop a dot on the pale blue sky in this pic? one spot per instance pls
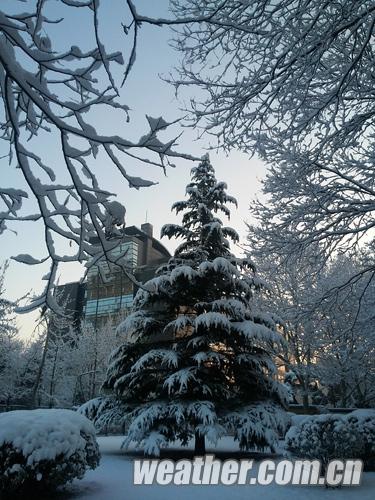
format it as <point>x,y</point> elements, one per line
<point>145,93</point>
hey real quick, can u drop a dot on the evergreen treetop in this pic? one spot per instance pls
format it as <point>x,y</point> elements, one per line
<point>203,232</point>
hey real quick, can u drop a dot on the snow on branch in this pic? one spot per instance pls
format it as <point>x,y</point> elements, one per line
<point>278,69</point>
<point>48,90</point>
<point>167,357</point>
<point>293,82</point>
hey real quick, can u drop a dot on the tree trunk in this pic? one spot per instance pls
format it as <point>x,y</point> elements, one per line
<point>344,398</point>
<point>93,376</point>
<point>305,401</point>
<point>52,381</point>
<point>200,445</point>
<point>34,396</point>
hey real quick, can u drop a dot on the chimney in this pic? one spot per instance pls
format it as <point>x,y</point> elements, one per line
<point>147,228</point>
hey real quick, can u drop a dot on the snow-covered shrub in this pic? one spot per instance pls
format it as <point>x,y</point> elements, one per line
<point>362,423</point>
<point>43,449</point>
<point>108,415</point>
<point>297,418</point>
<point>328,437</point>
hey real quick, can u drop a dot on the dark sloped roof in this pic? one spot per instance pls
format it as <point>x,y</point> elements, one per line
<point>138,233</point>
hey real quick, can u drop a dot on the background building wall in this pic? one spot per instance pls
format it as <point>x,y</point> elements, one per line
<point>108,293</point>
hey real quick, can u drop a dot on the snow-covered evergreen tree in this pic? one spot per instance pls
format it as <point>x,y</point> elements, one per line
<point>197,362</point>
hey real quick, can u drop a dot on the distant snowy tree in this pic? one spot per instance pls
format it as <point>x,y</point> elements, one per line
<point>7,316</point>
<point>53,330</point>
<point>12,371</point>
<point>16,364</point>
<point>293,295</point>
<point>8,330</point>
<point>345,361</point>
<point>51,86</point>
<point>89,359</point>
<point>327,313</point>
<point>17,376</point>
<point>72,361</point>
<point>197,359</point>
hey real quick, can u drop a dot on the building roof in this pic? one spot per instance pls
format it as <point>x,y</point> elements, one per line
<point>142,235</point>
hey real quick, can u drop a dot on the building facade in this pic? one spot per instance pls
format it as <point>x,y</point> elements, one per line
<point>108,293</point>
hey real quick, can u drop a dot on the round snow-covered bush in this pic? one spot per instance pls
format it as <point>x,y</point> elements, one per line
<point>362,423</point>
<point>43,449</point>
<point>328,437</point>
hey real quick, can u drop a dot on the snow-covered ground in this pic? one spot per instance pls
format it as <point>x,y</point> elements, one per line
<point>113,479</point>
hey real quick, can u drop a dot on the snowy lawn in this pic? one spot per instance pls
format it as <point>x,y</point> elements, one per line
<point>112,480</point>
